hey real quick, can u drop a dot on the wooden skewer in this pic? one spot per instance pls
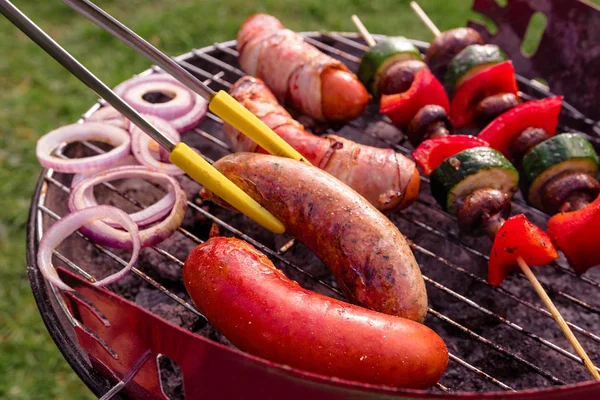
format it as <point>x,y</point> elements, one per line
<point>425,18</point>
<point>363,31</point>
<point>558,318</point>
<point>522,264</point>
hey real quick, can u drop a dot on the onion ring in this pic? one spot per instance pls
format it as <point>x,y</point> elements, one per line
<point>142,218</point>
<point>185,109</point>
<point>104,234</point>
<point>127,160</point>
<point>142,145</point>
<point>69,224</point>
<point>109,115</point>
<point>97,131</point>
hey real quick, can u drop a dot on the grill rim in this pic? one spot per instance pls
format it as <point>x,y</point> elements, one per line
<point>99,384</point>
<point>57,330</point>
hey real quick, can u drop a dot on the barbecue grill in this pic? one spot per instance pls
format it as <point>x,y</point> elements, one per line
<point>143,338</point>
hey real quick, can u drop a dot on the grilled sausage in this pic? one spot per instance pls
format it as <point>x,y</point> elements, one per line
<point>263,312</point>
<point>387,179</point>
<point>298,73</point>
<point>366,253</point>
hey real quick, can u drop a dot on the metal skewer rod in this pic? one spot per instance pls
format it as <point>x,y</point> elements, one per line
<point>363,31</point>
<point>522,264</point>
<point>139,44</point>
<point>40,37</point>
<point>180,153</point>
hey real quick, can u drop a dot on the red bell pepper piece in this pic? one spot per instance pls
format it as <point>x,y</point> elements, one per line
<point>432,152</point>
<point>518,237</point>
<point>424,90</point>
<point>499,78</point>
<point>535,113</point>
<point>576,234</point>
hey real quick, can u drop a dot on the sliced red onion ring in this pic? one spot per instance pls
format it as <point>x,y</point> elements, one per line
<point>127,160</point>
<point>96,131</point>
<point>181,101</point>
<point>142,218</point>
<point>185,109</point>
<point>69,224</point>
<point>109,115</point>
<point>104,234</point>
<point>141,145</point>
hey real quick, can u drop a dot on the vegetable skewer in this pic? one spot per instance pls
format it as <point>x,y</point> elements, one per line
<point>411,96</point>
<point>479,77</point>
<point>559,172</point>
<point>500,236</point>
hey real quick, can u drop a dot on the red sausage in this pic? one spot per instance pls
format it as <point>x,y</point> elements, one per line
<point>263,312</point>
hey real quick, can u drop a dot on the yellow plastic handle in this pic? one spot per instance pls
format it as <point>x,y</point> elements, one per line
<point>204,173</point>
<point>236,115</point>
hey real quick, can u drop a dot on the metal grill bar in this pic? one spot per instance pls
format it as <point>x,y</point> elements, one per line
<point>454,239</point>
<point>218,62</point>
<point>279,256</point>
<point>491,344</point>
<point>477,371</point>
<point>506,292</point>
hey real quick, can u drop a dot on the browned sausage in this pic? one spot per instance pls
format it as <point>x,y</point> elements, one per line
<point>367,254</point>
<point>385,178</point>
<point>263,312</point>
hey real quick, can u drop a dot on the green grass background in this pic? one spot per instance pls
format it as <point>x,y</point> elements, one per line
<point>37,95</point>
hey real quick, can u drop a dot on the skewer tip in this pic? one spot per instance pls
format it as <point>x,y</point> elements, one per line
<point>363,30</point>
<point>425,18</point>
<point>558,318</point>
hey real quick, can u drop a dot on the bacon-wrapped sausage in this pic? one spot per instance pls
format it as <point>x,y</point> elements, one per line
<point>298,73</point>
<point>388,180</point>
